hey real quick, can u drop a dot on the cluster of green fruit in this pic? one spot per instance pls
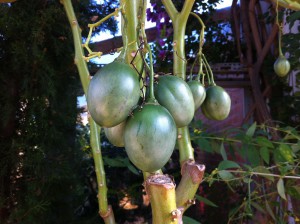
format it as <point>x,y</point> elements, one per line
<point>149,131</point>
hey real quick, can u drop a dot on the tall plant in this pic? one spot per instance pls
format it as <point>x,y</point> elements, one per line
<point>143,133</point>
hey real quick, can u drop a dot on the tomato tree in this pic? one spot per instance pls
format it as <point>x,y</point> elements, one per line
<point>153,113</point>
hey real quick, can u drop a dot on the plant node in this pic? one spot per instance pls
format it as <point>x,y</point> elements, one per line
<point>177,214</point>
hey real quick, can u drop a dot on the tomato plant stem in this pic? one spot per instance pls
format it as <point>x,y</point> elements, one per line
<point>187,190</point>
<point>161,190</point>
<point>192,175</point>
<point>131,11</point>
<point>122,55</point>
<point>104,210</point>
<point>185,147</point>
<point>79,54</point>
<point>131,34</point>
<point>179,20</point>
<point>99,167</point>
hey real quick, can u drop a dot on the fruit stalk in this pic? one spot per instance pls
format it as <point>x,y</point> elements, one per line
<point>209,71</point>
<point>279,30</point>
<point>151,98</point>
<point>104,210</point>
<point>161,190</point>
<point>201,42</point>
<point>281,65</point>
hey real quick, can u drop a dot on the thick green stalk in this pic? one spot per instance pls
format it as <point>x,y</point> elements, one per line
<point>186,151</point>
<point>161,191</point>
<point>131,9</point>
<point>79,54</point>
<point>104,210</point>
<point>179,20</point>
<point>191,173</point>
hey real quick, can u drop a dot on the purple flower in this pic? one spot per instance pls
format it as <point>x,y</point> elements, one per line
<point>161,42</point>
<point>159,26</point>
<point>148,13</point>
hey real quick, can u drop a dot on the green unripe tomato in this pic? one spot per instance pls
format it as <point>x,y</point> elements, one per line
<point>115,135</point>
<point>198,92</point>
<point>150,137</point>
<point>282,66</point>
<point>112,93</point>
<point>174,94</point>
<point>217,103</point>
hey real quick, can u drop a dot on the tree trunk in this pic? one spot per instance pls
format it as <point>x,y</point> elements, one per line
<point>258,46</point>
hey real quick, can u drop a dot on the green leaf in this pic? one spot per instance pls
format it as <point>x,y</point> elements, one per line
<point>205,201</point>
<point>294,191</point>
<point>116,162</point>
<point>189,220</point>
<point>262,169</point>
<point>265,154</point>
<point>251,130</point>
<point>253,156</point>
<point>227,164</point>
<point>264,142</point>
<point>247,180</point>
<point>204,144</point>
<point>215,145</point>
<point>225,175</point>
<point>223,152</point>
<point>280,188</point>
<point>284,153</point>
<point>296,147</point>
<point>133,169</point>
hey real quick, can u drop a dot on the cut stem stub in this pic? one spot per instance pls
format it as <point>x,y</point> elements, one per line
<point>161,190</point>
<point>192,174</point>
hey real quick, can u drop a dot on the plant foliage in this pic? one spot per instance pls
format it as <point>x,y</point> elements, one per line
<point>42,168</point>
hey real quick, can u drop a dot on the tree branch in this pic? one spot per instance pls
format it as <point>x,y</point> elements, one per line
<point>253,25</point>
<point>266,47</point>
<point>245,24</point>
<point>170,8</point>
<point>236,30</point>
<point>186,9</point>
<point>262,23</point>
